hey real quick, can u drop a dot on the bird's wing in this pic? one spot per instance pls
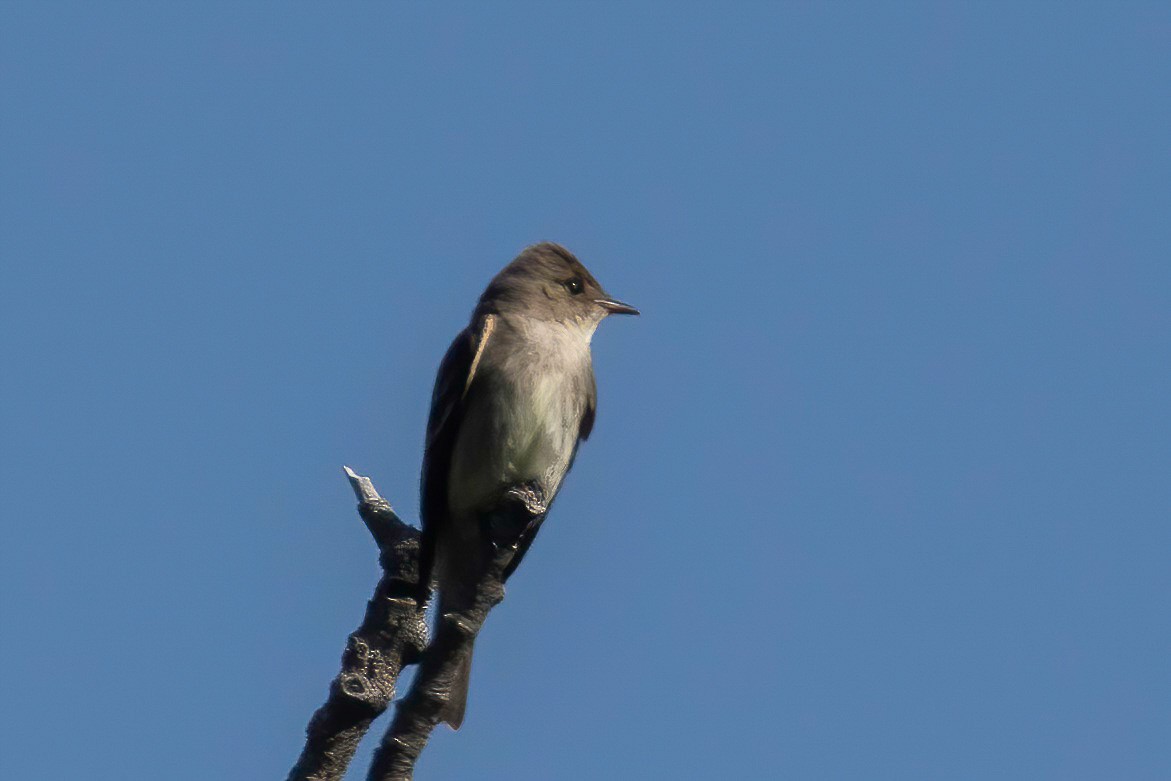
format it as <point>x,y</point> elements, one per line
<point>591,409</point>
<point>489,324</point>
<point>453,383</point>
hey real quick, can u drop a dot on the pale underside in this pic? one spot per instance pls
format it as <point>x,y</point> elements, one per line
<point>522,422</point>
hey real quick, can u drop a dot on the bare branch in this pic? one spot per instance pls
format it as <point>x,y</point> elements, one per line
<point>392,635</point>
<point>420,711</point>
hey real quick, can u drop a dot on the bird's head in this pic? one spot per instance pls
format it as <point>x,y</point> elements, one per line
<point>546,281</point>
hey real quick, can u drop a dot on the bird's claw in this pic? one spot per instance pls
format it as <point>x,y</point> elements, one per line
<point>520,507</point>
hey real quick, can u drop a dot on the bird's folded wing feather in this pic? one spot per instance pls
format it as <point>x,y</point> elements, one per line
<point>453,383</point>
<point>590,411</point>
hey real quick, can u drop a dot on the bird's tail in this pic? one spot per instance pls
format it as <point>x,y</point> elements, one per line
<point>457,698</point>
<point>451,601</point>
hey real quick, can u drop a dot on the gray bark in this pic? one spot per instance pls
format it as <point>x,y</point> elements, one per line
<point>393,634</point>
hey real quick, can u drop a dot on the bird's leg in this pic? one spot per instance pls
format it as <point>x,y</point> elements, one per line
<point>520,508</point>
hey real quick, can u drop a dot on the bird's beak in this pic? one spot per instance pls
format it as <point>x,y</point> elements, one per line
<point>613,307</point>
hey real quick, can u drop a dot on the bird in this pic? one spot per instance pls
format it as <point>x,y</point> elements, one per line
<point>514,397</point>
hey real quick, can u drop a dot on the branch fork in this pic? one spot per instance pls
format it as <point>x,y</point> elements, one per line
<point>392,635</point>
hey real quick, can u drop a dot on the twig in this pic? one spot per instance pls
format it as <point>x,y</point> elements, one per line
<point>392,635</point>
<point>419,712</point>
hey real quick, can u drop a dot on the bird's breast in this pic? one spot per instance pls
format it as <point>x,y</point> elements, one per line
<point>521,421</point>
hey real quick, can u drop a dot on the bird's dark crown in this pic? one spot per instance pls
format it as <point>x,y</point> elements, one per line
<point>544,280</point>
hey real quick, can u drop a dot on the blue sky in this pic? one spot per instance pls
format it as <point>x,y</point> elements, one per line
<point>879,486</point>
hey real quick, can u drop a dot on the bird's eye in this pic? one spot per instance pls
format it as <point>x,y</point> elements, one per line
<point>574,285</point>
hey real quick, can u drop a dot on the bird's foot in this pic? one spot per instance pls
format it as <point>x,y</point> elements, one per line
<point>520,507</point>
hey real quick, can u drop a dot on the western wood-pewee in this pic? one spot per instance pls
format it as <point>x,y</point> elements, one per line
<point>514,396</point>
